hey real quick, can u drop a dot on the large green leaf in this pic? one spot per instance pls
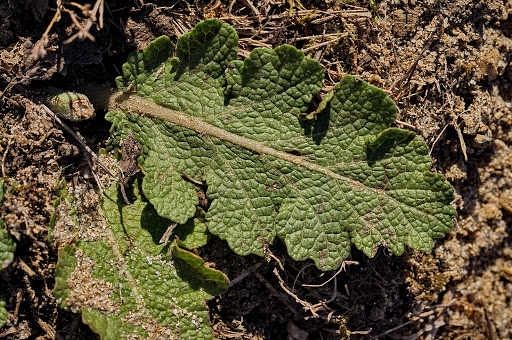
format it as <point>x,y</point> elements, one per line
<point>320,185</point>
<point>123,281</point>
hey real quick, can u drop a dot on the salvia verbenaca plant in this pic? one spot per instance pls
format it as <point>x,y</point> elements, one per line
<point>320,181</point>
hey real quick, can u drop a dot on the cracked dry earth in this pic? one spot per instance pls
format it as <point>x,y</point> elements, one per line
<point>458,97</point>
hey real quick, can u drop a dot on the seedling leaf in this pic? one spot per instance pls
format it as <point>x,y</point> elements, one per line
<point>7,244</point>
<point>3,312</point>
<point>7,248</point>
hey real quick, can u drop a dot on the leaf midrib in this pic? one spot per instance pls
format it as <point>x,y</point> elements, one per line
<point>134,104</point>
<point>122,101</point>
<point>137,105</point>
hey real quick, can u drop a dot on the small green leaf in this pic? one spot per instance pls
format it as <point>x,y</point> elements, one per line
<point>7,244</point>
<point>69,105</point>
<point>7,247</point>
<point>194,269</point>
<point>3,312</point>
<point>66,263</point>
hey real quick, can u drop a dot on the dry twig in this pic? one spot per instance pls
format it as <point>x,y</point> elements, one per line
<point>91,17</point>
<point>342,267</point>
<point>400,85</point>
<point>313,309</point>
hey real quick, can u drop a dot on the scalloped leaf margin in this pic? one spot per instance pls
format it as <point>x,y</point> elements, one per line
<point>343,178</point>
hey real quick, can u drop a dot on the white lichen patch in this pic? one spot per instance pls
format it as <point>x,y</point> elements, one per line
<point>93,225</point>
<point>78,218</point>
<point>65,228</point>
<point>155,330</point>
<point>87,291</point>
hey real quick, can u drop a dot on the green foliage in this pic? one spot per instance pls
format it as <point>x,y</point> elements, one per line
<point>320,181</point>
<point>125,283</point>
<point>3,312</point>
<point>7,244</point>
<point>7,248</point>
<point>66,264</point>
<point>355,181</point>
